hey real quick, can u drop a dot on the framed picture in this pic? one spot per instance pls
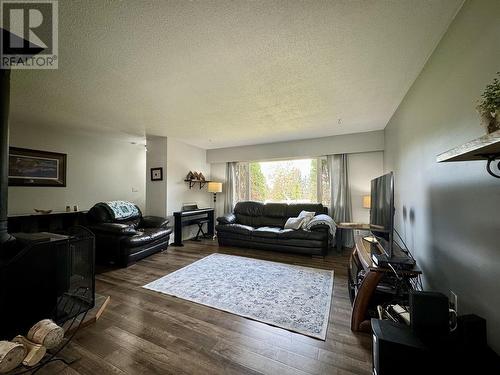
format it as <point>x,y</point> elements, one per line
<point>36,168</point>
<point>157,174</point>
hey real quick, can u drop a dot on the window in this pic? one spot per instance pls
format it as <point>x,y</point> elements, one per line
<point>283,181</point>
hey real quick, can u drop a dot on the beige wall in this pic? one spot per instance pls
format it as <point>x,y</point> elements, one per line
<point>99,168</point>
<point>156,191</point>
<point>182,158</point>
<point>339,144</point>
<point>448,212</point>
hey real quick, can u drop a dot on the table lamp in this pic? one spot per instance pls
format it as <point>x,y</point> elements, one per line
<point>367,201</point>
<point>215,187</point>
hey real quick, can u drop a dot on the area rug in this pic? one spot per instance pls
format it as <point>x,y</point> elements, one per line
<point>292,297</point>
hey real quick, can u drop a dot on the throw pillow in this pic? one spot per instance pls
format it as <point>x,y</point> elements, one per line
<point>294,223</point>
<point>307,217</point>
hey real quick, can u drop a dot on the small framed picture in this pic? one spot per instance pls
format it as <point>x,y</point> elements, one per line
<point>157,174</point>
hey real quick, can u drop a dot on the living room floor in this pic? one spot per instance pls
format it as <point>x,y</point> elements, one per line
<point>144,332</point>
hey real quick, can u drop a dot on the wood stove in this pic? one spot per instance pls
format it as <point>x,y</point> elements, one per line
<point>40,275</point>
<point>51,277</point>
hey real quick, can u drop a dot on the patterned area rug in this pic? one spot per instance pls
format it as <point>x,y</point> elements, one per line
<point>291,297</point>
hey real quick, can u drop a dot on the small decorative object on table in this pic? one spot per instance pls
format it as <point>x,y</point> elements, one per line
<point>43,212</point>
<point>190,176</point>
<point>201,177</point>
<point>489,106</point>
<point>157,174</point>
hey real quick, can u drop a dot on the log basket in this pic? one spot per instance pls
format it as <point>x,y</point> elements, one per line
<point>67,296</point>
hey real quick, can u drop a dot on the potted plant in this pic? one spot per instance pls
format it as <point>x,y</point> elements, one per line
<point>489,106</point>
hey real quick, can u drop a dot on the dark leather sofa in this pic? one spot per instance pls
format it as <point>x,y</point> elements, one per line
<point>260,226</point>
<point>123,242</point>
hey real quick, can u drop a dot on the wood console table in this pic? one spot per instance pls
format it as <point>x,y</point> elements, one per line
<point>52,222</point>
<point>362,293</point>
<point>352,226</point>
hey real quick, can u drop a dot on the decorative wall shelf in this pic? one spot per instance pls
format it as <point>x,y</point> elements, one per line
<point>486,147</point>
<point>194,182</point>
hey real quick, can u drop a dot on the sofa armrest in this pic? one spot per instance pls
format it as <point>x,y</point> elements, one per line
<point>114,228</point>
<point>227,219</point>
<point>153,222</point>
<point>320,228</point>
<point>322,222</point>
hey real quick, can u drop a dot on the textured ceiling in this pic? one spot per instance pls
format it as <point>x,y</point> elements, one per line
<point>227,73</point>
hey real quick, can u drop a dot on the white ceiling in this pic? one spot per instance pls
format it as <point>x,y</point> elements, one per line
<point>227,73</point>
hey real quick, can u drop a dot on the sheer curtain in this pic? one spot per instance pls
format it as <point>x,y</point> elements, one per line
<point>237,184</point>
<point>230,187</point>
<point>340,191</point>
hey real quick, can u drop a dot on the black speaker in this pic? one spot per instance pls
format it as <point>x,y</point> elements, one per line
<point>471,331</point>
<point>397,350</point>
<point>429,315</point>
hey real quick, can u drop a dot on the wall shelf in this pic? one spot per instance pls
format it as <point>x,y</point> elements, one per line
<point>486,147</point>
<point>194,182</point>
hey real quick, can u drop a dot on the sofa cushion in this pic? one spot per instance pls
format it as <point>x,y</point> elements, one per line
<point>249,208</point>
<point>248,213</point>
<point>302,235</point>
<point>235,228</point>
<point>153,222</point>
<point>274,210</point>
<point>294,209</point>
<point>268,221</point>
<point>266,232</point>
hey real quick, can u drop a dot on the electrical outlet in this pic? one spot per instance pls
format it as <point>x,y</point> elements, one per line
<point>453,301</point>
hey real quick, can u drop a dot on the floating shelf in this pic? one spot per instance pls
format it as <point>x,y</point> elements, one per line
<point>194,182</point>
<point>486,147</point>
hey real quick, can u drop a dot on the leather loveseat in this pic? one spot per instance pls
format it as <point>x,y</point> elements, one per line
<point>260,226</point>
<point>123,242</point>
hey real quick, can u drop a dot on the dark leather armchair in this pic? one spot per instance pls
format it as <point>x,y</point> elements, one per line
<point>123,242</point>
<point>260,226</point>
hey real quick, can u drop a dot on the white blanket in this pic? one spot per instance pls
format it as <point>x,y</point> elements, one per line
<point>322,219</point>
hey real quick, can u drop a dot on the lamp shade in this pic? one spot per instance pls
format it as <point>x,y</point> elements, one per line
<point>215,187</point>
<point>367,201</point>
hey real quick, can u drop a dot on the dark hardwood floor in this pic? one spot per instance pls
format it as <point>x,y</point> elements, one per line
<point>145,332</point>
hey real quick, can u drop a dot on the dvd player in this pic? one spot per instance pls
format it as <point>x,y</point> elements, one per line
<point>402,262</point>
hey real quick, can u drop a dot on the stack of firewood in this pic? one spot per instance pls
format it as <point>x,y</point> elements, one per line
<point>31,349</point>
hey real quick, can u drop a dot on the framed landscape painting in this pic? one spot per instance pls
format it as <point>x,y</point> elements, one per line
<point>36,168</point>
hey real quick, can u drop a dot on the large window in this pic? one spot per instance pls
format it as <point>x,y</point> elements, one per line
<point>304,180</point>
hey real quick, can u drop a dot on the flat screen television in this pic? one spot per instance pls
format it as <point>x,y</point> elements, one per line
<point>382,211</point>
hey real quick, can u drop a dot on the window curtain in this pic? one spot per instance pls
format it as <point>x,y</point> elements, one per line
<point>340,200</point>
<point>230,187</point>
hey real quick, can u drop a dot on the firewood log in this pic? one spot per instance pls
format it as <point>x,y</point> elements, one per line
<point>35,352</point>
<point>46,333</point>
<point>11,355</point>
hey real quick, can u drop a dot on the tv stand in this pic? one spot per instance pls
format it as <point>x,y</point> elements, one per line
<point>364,276</point>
